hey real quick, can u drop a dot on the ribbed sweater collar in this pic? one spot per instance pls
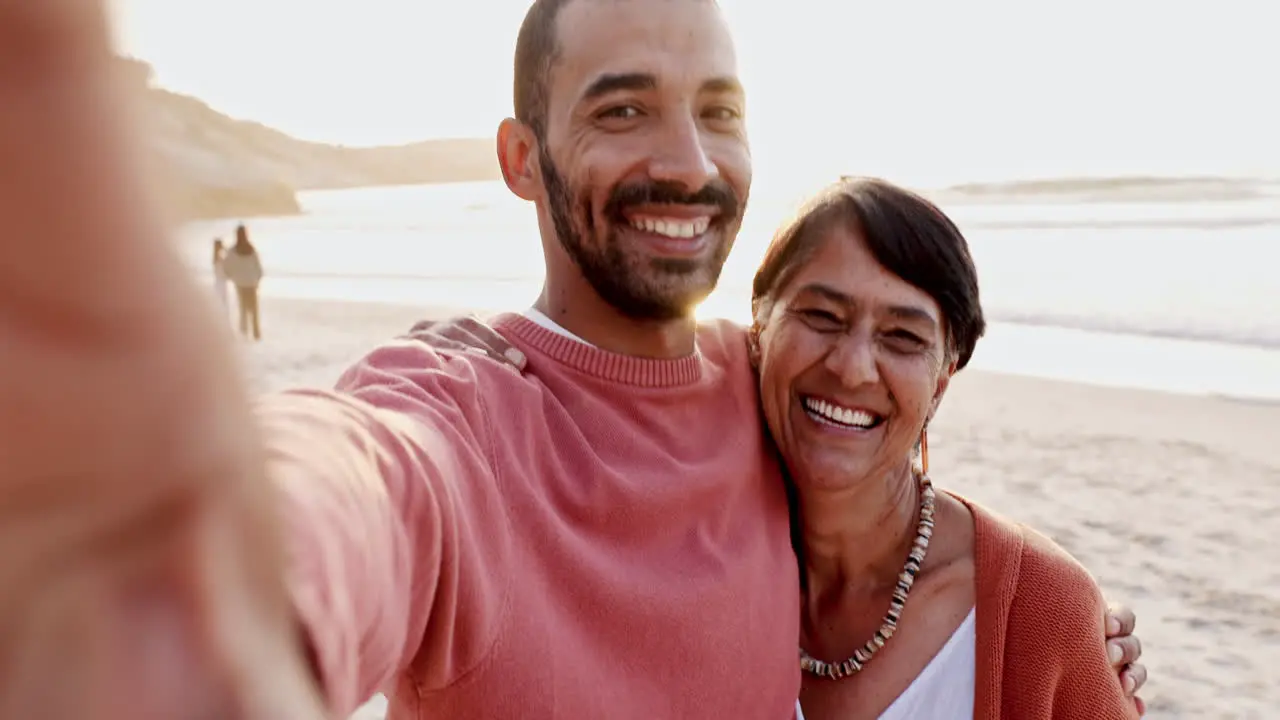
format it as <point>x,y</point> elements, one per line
<point>622,369</point>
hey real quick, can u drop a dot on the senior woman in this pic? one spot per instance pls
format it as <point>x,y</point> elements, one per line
<point>917,603</point>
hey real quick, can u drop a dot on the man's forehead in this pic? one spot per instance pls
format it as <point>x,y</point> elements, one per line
<point>678,41</point>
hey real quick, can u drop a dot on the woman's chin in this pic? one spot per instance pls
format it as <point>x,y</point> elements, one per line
<point>821,470</point>
<point>822,460</point>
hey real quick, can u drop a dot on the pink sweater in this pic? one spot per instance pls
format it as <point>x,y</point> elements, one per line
<point>600,537</point>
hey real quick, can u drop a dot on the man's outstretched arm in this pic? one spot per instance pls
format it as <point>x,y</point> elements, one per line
<point>392,516</point>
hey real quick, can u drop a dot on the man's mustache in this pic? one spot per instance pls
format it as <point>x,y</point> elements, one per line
<point>716,193</point>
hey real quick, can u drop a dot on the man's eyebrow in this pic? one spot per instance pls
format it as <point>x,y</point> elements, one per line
<point>615,82</point>
<point>725,85</point>
<point>637,81</point>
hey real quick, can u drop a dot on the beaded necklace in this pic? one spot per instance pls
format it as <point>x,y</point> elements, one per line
<point>863,655</point>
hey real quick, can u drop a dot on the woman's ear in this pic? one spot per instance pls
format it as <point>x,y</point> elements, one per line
<point>944,381</point>
<point>760,308</point>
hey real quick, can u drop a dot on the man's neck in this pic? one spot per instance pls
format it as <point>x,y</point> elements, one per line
<point>601,325</point>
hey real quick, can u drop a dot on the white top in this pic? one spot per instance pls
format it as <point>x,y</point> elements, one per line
<point>540,318</point>
<point>944,689</point>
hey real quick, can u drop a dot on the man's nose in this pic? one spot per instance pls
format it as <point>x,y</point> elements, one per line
<point>682,157</point>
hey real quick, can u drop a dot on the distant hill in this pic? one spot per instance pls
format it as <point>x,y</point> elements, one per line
<point>223,167</point>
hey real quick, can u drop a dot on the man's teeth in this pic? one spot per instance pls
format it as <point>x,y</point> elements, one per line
<point>839,415</point>
<point>672,227</point>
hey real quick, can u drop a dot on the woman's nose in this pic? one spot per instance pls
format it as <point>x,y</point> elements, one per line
<point>853,360</point>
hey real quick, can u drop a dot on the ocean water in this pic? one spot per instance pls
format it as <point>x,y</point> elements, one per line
<point>1179,297</point>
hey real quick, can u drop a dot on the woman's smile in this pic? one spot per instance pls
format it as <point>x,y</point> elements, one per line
<point>843,417</point>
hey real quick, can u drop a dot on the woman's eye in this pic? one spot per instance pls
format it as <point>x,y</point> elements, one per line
<point>820,319</point>
<point>905,340</point>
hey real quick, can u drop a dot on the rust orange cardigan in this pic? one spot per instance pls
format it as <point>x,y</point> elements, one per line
<point>1040,648</point>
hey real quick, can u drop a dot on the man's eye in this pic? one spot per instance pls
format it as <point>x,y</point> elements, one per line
<point>722,114</point>
<point>620,112</point>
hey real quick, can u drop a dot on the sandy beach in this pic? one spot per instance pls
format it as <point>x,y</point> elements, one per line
<point>1168,499</point>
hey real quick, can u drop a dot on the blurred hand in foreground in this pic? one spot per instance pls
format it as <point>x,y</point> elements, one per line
<point>140,575</point>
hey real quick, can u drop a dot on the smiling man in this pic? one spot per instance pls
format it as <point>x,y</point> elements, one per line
<point>601,536</point>
<point>630,139</point>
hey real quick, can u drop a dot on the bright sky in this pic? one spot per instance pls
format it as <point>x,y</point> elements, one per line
<point>922,92</point>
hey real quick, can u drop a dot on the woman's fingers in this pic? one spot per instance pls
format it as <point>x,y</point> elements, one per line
<point>468,334</point>
<point>498,346</point>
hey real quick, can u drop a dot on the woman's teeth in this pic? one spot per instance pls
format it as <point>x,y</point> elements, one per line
<point>677,228</point>
<point>840,415</point>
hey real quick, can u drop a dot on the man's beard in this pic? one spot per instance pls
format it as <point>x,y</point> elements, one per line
<point>655,289</point>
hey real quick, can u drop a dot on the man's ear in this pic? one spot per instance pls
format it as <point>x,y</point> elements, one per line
<point>517,148</point>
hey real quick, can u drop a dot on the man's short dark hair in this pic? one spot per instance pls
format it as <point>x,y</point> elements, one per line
<point>536,48</point>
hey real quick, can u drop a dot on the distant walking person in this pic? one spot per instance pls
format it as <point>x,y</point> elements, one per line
<point>244,269</point>
<point>220,275</point>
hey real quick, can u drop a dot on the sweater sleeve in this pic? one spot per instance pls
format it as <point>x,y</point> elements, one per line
<point>1057,642</point>
<point>398,541</point>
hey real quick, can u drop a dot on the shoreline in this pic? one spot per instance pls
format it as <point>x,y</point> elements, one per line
<point>314,286</point>
<point>1100,192</point>
<point>1103,358</point>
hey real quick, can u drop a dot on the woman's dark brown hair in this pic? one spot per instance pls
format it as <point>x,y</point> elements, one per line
<point>908,235</point>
